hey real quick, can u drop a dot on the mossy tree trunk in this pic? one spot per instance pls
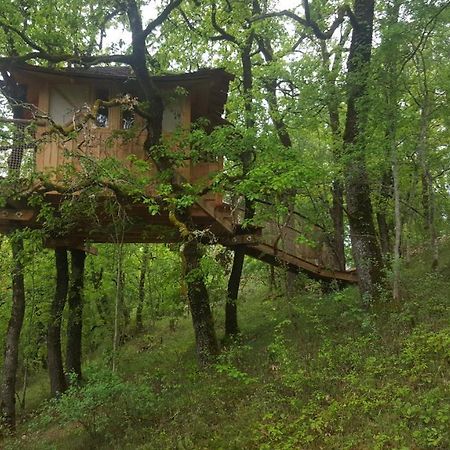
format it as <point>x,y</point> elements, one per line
<point>202,318</point>
<point>11,355</point>
<point>365,247</point>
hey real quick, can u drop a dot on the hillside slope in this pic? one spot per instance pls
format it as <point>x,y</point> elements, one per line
<point>314,371</point>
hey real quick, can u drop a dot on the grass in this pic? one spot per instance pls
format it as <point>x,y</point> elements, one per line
<point>312,372</point>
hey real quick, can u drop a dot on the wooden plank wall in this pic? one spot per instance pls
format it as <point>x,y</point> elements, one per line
<point>98,143</point>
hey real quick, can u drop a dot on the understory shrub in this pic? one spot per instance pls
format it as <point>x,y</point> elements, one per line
<point>105,406</point>
<point>366,388</point>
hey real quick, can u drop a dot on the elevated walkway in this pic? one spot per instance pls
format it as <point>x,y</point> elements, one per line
<point>279,245</point>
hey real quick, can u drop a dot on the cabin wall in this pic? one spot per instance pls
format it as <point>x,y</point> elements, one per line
<point>45,91</point>
<point>97,142</point>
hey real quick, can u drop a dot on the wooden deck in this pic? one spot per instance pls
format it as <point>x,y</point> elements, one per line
<point>273,244</point>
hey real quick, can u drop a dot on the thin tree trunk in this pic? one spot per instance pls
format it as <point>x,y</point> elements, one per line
<point>332,101</point>
<point>123,310</point>
<point>290,279</point>
<point>54,355</point>
<point>398,228</point>
<point>386,189</point>
<point>231,320</point>
<point>117,306</point>
<point>366,251</point>
<point>75,320</point>
<point>337,215</point>
<point>11,354</point>
<point>428,202</point>
<point>202,319</point>
<point>231,312</point>
<point>384,232</point>
<point>142,277</point>
<point>390,183</point>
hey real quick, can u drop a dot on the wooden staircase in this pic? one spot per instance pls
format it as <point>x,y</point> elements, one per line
<point>278,245</point>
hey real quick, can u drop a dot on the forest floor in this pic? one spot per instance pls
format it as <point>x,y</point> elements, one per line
<point>315,371</point>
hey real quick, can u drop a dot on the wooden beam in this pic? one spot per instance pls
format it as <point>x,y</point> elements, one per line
<point>22,215</point>
<point>267,253</point>
<point>239,239</point>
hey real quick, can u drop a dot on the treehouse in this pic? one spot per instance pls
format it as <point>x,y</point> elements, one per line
<point>63,143</point>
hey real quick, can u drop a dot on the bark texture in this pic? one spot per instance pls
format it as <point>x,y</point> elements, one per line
<point>11,355</point>
<point>54,355</point>
<point>202,319</point>
<point>75,321</point>
<point>365,247</point>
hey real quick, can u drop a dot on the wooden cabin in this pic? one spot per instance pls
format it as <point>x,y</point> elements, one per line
<point>62,95</point>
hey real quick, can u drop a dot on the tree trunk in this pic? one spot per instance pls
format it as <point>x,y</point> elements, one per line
<point>384,232</point>
<point>202,319</point>
<point>428,202</point>
<point>366,251</point>
<point>54,356</point>
<point>390,183</point>
<point>117,306</point>
<point>75,321</point>
<point>142,277</point>
<point>11,354</point>
<point>385,194</point>
<point>332,101</point>
<point>337,215</point>
<point>123,309</point>
<point>398,228</point>
<point>231,320</point>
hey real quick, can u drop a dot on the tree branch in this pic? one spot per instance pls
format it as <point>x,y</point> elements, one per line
<point>222,33</point>
<point>162,17</point>
<point>307,22</point>
<point>76,59</point>
<point>23,36</point>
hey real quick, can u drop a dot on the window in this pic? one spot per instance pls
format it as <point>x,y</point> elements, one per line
<point>172,115</point>
<point>127,118</point>
<point>101,119</point>
<point>66,100</point>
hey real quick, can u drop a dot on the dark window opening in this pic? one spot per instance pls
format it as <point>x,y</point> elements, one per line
<point>101,119</point>
<point>127,119</point>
